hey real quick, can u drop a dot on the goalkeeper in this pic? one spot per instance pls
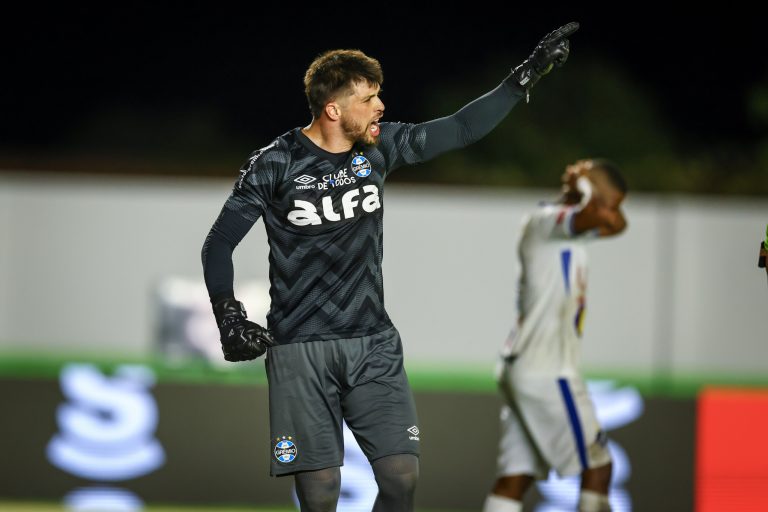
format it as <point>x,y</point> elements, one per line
<point>333,353</point>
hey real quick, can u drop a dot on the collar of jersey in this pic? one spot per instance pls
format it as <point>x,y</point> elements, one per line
<point>335,158</point>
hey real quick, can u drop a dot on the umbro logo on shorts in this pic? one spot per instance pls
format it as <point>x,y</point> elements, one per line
<point>414,431</point>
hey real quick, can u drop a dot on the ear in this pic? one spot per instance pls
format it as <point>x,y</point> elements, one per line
<point>333,110</point>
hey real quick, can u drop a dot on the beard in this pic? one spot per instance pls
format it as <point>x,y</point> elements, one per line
<point>358,132</point>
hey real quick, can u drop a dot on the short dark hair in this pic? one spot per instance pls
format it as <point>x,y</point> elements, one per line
<point>612,172</point>
<point>335,70</point>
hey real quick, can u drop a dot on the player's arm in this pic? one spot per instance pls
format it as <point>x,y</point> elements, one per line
<point>240,338</point>
<point>225,234</point>
<point>592,214</point>
<point>470,123</point>
<point>414,143</point>
<point>607,221</point>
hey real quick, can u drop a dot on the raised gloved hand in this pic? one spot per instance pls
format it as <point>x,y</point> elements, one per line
<point>551,51</point>
<point>241,339</point>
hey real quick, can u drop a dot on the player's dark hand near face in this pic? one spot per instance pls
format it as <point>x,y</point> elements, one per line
<point>602,210</point>
<point>552,51</point>
<point>614,221</point>
<point>569,179</point>
<point>241,339</point>
<point>602,213</point>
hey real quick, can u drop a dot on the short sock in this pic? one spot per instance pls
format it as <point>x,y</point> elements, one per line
<point>495,503</point>
<point>591,501</point>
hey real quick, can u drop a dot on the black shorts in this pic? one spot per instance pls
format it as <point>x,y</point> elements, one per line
<point>315,385</point>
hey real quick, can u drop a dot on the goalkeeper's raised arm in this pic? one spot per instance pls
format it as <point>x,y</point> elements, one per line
<point>476,119</point>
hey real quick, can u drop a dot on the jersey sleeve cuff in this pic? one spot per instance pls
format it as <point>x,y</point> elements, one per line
<point>514,86</point>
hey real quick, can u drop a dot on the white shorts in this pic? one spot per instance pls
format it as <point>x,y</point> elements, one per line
<point>548,422</point>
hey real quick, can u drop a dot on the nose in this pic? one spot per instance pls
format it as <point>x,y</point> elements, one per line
<point>381,104</point>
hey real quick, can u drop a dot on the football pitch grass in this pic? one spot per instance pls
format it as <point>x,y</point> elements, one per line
<point>9,506</point>
<point>57,507</point>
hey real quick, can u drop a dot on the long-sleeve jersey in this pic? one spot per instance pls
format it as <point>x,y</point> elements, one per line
<point>323,213</point>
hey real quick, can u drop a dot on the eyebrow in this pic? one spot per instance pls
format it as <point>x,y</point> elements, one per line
<point>374,94</point>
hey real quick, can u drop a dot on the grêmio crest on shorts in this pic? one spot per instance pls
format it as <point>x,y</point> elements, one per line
<point>285,449</point>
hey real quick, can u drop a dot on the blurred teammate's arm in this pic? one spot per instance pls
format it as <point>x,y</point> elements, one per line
<point>607,221</point>
<point>592,212</point>
<point>588,210</point>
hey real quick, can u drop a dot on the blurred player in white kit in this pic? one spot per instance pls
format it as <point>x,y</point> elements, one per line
<point>548,420</point>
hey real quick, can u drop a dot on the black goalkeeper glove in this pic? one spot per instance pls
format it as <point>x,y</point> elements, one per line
<point>241,339</point>
<point>551,51</point>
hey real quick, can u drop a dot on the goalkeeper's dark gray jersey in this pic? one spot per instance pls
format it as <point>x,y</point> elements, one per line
<point>323,215</point>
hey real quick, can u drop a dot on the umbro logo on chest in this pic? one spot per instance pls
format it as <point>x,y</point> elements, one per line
<point>327,181</point>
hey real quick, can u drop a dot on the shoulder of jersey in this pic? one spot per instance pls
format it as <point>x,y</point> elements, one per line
<point>276,152</point>
<point>391,130</point>
<point>543,210</point>
<point>392,125</point>
<point>275,155</point>
<point>547,208</point>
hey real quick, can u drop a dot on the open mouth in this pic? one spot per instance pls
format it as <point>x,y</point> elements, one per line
<point>374,129</point>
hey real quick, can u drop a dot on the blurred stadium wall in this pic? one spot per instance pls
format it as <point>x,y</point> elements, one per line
<point>678,292</point>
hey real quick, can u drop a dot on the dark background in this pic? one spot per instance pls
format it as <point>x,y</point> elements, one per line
<point>191,88</point>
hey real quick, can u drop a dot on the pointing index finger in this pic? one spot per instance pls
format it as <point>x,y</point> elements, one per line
<point>565,31</point>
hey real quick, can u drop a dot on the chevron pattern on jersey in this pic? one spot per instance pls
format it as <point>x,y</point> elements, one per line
<point>327,289</point>
<point>325,264</point>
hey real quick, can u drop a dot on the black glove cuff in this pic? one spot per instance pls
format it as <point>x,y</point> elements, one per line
<point>228,311</point>
<point>227,294</point>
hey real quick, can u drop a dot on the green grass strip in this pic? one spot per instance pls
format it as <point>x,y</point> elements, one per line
<point>56,507</point>
<point>438,377</point>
